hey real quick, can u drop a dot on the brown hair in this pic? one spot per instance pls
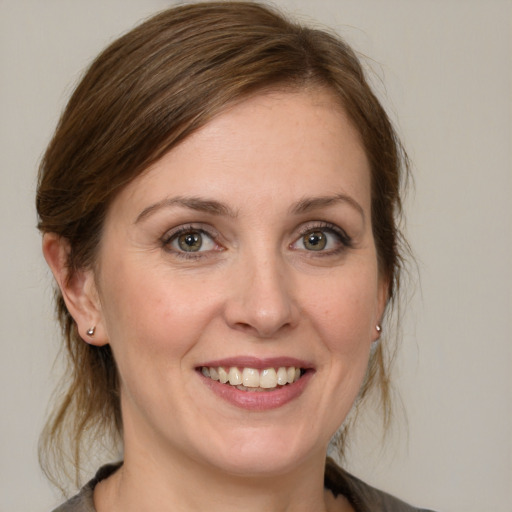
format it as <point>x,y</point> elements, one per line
<point>142,96</point>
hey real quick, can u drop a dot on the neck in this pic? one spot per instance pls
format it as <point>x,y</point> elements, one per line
<point>181,485</point>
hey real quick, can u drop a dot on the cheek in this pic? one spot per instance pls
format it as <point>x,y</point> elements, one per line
<point>148,316</point>
<point>343,311</point>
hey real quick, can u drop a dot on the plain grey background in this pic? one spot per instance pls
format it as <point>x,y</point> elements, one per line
<point>443,68</point>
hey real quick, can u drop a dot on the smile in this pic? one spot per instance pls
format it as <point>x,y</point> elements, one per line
<point>252,379</point>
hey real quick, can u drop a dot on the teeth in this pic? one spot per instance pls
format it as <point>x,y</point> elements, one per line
<point>234,376</point>
<point>223,375</point>
<point>282,376</point>
<point>251,379</point>
<point>268,378</point>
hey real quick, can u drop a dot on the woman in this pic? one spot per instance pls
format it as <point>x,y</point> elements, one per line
<point>219,207</point>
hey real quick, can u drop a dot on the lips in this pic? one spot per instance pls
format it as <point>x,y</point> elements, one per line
<point>257,384</point>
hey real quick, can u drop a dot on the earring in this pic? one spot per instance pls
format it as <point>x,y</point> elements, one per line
<point>376,342</point>
<point>91,331</point>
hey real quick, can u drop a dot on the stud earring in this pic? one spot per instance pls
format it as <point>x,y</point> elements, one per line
<point>91,331</point>
<point>376,342</point>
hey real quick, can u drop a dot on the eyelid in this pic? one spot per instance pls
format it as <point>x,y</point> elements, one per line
<point>205,230</point>
<point>185,228</point>
<point>344,240</point>
<point>326,226</point>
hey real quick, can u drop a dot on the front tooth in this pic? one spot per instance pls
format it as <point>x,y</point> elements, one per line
<point>268,378</point>
<point>251,377</point>
<point>223,375</point>
<point>214,374</point>
<point>297,375</point>
<point>282,376</point>
<point>290,374</point>
<point>234,376</point>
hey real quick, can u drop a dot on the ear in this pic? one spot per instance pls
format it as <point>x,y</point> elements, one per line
<point>382,301</point>
<point>78,290</point>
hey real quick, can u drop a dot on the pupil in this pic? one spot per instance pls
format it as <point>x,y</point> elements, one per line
<point>315,241</point>
<point>190,242</point>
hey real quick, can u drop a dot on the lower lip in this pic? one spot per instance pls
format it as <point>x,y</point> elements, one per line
<point>258,400</point>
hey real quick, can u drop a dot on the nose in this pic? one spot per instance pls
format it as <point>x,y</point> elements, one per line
<point>262,302</point>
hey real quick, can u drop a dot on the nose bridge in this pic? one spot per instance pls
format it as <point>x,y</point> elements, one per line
<point>263,302</point>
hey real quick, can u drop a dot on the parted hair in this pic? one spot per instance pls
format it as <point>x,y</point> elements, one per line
<point>142,96</point>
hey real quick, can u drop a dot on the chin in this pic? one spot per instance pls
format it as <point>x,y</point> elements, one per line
<point>265,452</point>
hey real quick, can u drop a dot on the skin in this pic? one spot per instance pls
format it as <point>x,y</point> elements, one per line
<point>254,289</point>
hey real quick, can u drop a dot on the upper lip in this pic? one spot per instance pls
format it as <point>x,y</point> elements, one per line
<point>257,363</point>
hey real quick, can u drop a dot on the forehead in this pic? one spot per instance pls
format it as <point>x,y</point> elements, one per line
<point>285,142</point>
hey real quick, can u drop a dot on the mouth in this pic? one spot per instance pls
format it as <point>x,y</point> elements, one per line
<point>253,379</point>
<point>257,384</point>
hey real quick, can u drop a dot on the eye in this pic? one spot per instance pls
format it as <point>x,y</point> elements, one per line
<point>325,238</point>
<point>315,241</point>
<point>190,240</point>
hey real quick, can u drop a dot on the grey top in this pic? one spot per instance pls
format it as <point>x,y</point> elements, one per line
<point>361,496</point>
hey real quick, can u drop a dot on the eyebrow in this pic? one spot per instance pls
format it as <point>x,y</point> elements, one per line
<point>309,204</point>
<point>305,205</point>
<point>192,203</point>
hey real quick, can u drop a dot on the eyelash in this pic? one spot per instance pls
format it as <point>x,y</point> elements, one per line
<point>169,237</point>
<point>344,239</point>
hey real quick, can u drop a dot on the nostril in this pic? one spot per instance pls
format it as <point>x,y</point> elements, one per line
<point>242,326</point>
<point>258,331</point>
<point>261,303</point>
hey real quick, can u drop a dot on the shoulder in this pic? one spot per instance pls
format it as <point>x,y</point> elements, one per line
<point>363,497</point>
<point>83,501</point>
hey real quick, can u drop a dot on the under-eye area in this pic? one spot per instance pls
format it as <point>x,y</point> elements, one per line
<point>252,379</point>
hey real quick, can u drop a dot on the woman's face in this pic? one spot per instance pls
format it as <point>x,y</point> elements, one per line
<point>246,253</point>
